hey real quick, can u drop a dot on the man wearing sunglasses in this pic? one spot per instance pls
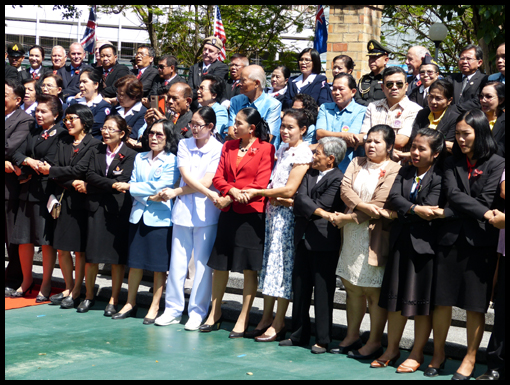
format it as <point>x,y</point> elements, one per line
<point>396,110</point>
<point>167,70</point>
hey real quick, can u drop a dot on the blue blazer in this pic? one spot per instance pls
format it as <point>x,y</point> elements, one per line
<point>147,180</point>
<point>319,90</point>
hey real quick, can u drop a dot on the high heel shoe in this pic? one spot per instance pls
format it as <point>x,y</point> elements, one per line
<point>129,313</point>
<point>377,364</point>
<point>209,328</point>
<point>19,294</point>
<point>404,369</point>
<point>256,333</point>
<point>434,372</point>
<point>277,337</point>
<point>459,377</point>
<point>234,335</point>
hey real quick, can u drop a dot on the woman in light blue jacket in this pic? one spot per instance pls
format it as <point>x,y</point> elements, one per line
<point>150,221</point>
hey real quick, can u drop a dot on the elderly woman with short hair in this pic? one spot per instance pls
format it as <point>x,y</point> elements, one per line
<point>317,245</point>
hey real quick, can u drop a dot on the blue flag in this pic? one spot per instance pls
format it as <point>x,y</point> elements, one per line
<point>320,42</point>
<point>89,37</point>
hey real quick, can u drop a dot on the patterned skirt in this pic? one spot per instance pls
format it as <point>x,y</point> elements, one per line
<point>278,262</point>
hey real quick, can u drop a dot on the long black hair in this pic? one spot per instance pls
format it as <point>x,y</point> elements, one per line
<point>484,146</point>
<point>261,127</point>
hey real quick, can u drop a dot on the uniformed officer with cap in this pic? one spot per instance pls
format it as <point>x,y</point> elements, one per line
<point>210,65</point>
<point>16,54</point>
<point>369,88</point>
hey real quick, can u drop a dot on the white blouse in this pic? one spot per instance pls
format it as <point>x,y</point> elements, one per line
<point>286,161</point>
<point>195,210</point>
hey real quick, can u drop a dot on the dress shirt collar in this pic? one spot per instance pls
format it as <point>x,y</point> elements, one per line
<point>322,174</point>
<point>112,154</point>
<point>136,108</point>
<point>205,149</point>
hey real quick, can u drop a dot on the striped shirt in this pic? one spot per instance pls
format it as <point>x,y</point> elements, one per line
<point>400,117</point>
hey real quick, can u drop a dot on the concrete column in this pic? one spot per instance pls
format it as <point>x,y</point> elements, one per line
<point>351,27</point>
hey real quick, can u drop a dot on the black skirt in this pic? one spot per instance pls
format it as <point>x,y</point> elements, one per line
<point>149,247</point>
<point>70,232</point>
<point>34,224</point>
<point>408,278</point>
<point>239,243</point>
<point>464,275</point>
<point>107,237</point>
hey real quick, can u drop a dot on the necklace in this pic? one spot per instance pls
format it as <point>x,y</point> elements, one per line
<point>246,148</point>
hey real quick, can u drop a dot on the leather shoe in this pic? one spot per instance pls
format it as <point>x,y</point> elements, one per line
<point>234,335</point>
<point>377,364</point>
<point>434,372</point>
<point>346,349</point>
<point>85,306</point>
<point>409,369</point>
<point>255,333</point>
<point>149,321</point>
<point>289,342</point>
<point>357,356</point>
<point>57,298</point>
<point>278,336</point>
<point>9,291</point>
<point>317,349</point>
<point>110,310</point>
<point>41,298</point>
<point>490,375</point>
<point>69,302</point>
<point>129,313</point>
<point>459,377</point>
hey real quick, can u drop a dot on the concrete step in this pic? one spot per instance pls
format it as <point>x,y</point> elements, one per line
<point>232,303</point>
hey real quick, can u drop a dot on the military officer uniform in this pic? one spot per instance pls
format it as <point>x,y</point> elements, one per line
<point>370,85</point>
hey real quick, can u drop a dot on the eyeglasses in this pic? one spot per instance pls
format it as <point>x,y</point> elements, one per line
<point>70,119</point>
<point>430,73</point>
<point>141,54</point>
<point>158,135</point>
<point>305,60</point>
<point>111,130</point>
<point>48,86</point>
<point>162,67</point>
<point>468,59</point>
<point>486,97</point>
<point>399,85</point>
<point>195,126</point>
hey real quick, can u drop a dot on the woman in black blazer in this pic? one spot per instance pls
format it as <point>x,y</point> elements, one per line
<point>108,210</point>
<point>309,64</point>
<point>492,101</point>
<point>467,243</point>
<point>317,245</point>
<point>407,284</point>
<point>34,225</point>
<point>69,170</point>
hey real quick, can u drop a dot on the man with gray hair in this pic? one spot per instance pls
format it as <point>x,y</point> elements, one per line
<point>251,84</point>
<point>58,58</point>
<point>414,60</point>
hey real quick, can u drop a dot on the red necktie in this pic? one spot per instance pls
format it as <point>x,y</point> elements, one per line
<point>166,82</point>
<point>54,72</point>
<point>34,75</point>
<point>139,75</point>
<point>176,118</point>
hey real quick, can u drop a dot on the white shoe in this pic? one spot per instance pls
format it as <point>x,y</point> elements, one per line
<point>166,319</point>
<point>193,323</point>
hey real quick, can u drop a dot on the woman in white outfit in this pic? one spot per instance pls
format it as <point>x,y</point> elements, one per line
<point>195,220</point>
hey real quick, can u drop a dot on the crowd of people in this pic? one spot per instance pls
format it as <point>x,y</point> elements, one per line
<point>396,184</point>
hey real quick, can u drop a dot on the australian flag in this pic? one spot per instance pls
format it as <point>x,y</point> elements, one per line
<point>89,37</point>
<point>320,42</point>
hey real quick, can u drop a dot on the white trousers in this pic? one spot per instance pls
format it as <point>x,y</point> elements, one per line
<point>185,240</point>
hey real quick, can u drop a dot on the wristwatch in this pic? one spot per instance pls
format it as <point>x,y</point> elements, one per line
<point>412,209</point>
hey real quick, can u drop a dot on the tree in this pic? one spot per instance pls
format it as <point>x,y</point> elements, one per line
<point>477,24</point>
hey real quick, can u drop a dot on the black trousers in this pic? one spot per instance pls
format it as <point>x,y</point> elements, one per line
<point>13,273</point>
<point>496,348</point>
<point>313,269</point>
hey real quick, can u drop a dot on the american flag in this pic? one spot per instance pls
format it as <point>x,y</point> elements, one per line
<point>219,31</point>
<point>89,37</point>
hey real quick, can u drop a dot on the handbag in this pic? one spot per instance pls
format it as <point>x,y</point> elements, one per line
<point>57,208</point>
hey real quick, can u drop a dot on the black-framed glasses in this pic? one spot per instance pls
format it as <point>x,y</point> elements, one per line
<point>194,126</point>
<point>399,85</point>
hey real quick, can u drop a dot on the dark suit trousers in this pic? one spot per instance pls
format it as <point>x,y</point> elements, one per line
<point>496,348</point>
<point>13,273</point>
<point>313,269</point>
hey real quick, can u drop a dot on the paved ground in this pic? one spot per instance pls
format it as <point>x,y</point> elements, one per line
<point>45,342</point>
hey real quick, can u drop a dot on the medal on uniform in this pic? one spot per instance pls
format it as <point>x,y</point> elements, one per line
<point>117,171</point>
<point>345,129</point>
<point>53,132</point>
<point>397,124</point>
<point>158,173</point>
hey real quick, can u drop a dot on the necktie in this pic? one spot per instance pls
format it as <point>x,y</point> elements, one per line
<point>414,194</point>
<point>176,118</point>
<point>34,75</point>
<point>139,74</point>
<point>54,72</point>
<point>166,82</point>
<point>464,84</point>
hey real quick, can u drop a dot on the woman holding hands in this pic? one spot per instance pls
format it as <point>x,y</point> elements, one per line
<point>150,228</point>
<point>294,159</point>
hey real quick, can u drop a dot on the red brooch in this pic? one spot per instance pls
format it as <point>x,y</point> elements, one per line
<point>382,174</point>
<point>45,135</point>
<point>253,151</point>
<point>121,156</point>
<point>184,130</point>
<point>477,173</point>
<point>419,83</point>
<point>76,151</point>
<point>399,114</point>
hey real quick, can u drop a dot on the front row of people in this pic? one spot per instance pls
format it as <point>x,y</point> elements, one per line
<point>439,252</point>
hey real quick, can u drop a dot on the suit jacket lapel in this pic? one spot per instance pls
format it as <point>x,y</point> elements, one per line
<point>102,160</point>
<point>462,170</point>
<point>116,161</point>
<point>408,181</point>
<point>422,193</point>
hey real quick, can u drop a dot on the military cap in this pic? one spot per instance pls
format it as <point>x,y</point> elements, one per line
<point>428,60</point>
<point>214,41</point>
<point>376,49</point>
<point>15,50</point>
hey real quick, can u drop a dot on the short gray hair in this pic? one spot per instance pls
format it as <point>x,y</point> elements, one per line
<point>334,146</point>
<point>257,73</point>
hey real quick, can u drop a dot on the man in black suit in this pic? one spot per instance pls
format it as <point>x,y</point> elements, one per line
<point>71,74</point>
<point>167,70</point>
<point>10,72</point>
<point>210,65</point>
<point>467,84</point>
<point>17,126</point>
<point>318,244</point>
<point>111,71</point>
<point>237,63</point>
<point>146,72</point>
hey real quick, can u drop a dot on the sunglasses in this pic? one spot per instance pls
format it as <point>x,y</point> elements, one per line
<point>390,85</point>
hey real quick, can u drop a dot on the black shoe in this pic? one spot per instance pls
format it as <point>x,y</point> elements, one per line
<point>110,310</point>
<point>289,342</point>
<point>434,372</point>
<point>149,321</point>
<point>255,333</point>
<point>85,305</point>
<point>57,298</point>
<point>70,303</point>
<point>346,349</point>
<point>9,291</point>
<point>41,298</point>
<point>490,375</point>
<point>19,294</point>
<point>355,354</point>
<point>234,335</point>
<point>129,313</point>
<point>459,377</point>
<point>209,328</point>
<point>317,349</point>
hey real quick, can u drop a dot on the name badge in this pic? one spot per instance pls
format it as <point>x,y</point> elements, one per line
<point>158,172</point>
<point>345,129</point>
<point>397,124</point>
<point>53,133</point>
<point>117,171</point>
